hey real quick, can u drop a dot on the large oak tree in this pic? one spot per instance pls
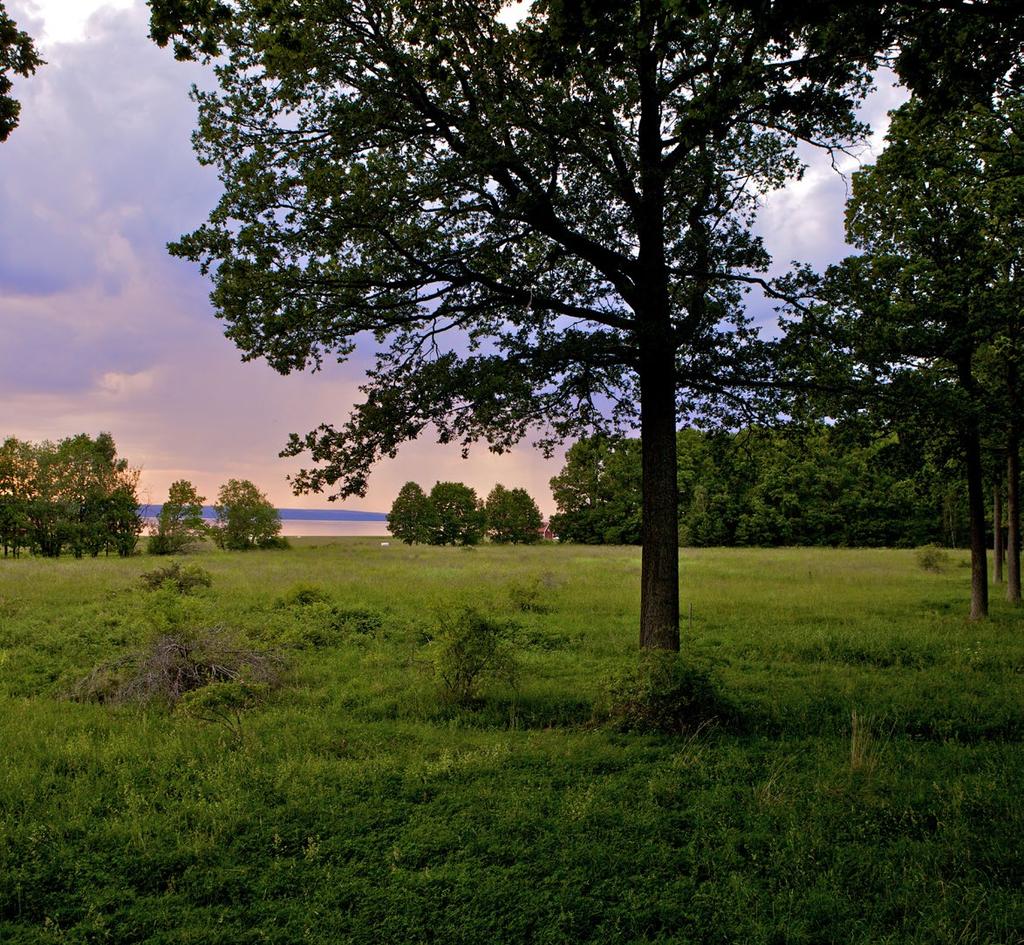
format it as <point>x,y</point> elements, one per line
<point>544,226</point>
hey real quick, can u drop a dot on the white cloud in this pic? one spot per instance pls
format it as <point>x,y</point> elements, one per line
<point>65,21</point>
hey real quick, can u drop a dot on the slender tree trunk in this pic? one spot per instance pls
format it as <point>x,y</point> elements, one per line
<point>1013,518</point>
<point>997,533</point>
<point>659,579</point>
<point>976,505</point>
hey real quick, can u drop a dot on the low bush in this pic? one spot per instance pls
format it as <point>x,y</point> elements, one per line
<point>528,596</point>
<point>662,693</point>
<point>222,703</point>
<point>303,595</point>
<point>470,650</point>
<point>932,558</point>
<point>307,617</point>
<point>176,664</point>
<point>182,578</point>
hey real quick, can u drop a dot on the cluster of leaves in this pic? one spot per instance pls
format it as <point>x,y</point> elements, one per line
<point>18,56</point>
<point>452,514</point>
<point>182,578</point>
<point>76,495</point>
<point>180,524</point>
<point>817,485</point>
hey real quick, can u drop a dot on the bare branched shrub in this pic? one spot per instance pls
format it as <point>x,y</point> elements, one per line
<point>174,664</point>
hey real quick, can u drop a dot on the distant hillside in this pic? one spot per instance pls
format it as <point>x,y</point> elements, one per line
<point>293,515</point>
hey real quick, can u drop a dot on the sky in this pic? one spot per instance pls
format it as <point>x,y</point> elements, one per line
<point>101,330</point>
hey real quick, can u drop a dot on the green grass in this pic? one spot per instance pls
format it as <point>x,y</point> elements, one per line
<point>359,807</point>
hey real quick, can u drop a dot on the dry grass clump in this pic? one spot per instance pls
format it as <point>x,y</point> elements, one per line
<point>178,663</point>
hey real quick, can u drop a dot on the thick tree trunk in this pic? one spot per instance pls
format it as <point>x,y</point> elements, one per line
<point>976,505</point>
<point>997,533</point>
<point>1013,519</point>
<point>659,579</point>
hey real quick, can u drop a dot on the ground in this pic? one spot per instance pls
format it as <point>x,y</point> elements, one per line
<point>866,788</point>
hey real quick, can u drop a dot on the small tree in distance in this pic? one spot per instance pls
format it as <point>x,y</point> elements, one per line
<point>245,518</point>
<point>180,522</point>
<point>411,516</point>
<point>513,517</point>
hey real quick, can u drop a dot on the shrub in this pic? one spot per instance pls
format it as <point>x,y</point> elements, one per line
<point>315,620</point>
<point>528,596</point>
<point>664,694</point>
<point>302,595</point>
<point>182,578</point>
<point>175,664</point>
<point>222,703</point>
<point>932,558</point>
<point>470,649</point>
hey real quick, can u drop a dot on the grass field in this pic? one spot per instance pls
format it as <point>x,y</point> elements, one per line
<point>358,806</point>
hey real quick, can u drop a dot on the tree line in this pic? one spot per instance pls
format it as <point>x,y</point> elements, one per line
<point>817,485</point>
<point>453,514</point>
<point>75,495</point>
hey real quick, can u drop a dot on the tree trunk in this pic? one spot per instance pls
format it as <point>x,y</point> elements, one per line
<point>976,504</point>
<point>997,533</point>
<point>659,578</point>
<point>1013,518</point>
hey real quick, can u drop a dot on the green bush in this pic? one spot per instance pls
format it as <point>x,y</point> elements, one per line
<point>932,558</point>
<point>662,693</point>
<point>302,595</point>
<point>308,617</point>
<point>223,702</point>
<point>182,578</point>
<point>528,596</point>
<point>471,649</point>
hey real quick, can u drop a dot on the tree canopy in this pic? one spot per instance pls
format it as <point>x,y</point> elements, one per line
<point>18,56</point>
<point>245,518</point>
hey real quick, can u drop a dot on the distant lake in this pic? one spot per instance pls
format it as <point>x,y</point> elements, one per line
<point>334,529</point>
<point>320,522</point>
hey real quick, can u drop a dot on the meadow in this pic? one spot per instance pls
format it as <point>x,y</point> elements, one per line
<point>864,787</point>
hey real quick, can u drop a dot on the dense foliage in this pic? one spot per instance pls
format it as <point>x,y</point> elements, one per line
<point>18,56</point>
<point>245,518</point>
<point>180,522</point>
<point>452,514</point>
<point>412,515</point>
<point>75,495</point>
<point>817,486</point>
<point>513,517</point>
